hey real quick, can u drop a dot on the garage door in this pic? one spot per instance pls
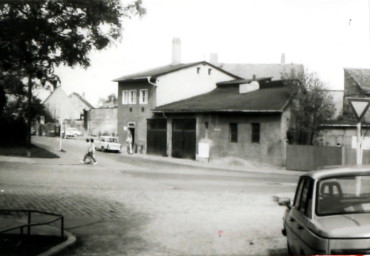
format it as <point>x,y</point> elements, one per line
<point>183,138</point>
<point>157,137</point>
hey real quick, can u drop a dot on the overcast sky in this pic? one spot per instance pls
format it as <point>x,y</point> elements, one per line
<point>323,35</point>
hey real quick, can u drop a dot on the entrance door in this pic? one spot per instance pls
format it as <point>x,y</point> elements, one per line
<point>157,137</point>
<point>183,138</point>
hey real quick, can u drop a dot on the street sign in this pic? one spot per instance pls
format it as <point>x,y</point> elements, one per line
<point>359,107</point>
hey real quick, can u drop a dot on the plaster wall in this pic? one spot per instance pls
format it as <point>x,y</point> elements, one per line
<point>188,82</point>
<point>271,148</point>
<point>102,121</point>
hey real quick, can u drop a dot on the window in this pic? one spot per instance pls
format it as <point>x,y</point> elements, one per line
<point>233,132</point>
<point>125,95</point>
<point>132,97</point>
<point>303,200</point>
<point>143,96</point>
<point>256,133</point>
<point>198,70</point>
<point>209,71</point>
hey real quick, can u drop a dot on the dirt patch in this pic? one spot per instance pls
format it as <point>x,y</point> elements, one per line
<point>21,151</point>
<point>12,245</point>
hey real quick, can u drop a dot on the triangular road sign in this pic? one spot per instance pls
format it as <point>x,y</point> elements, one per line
<point>359,106</point>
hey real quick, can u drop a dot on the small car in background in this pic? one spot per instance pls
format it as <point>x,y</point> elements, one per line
<point>330,213</point>
<point>71,132</point>
<point>108,143</point>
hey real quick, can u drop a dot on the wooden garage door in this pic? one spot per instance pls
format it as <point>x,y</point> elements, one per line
<point>183,138</point>
<point>157,137</point>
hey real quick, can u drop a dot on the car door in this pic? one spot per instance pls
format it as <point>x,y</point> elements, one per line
<point>307,243</point>
<point>290,221</point>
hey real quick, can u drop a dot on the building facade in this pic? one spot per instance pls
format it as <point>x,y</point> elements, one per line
<point>140,93</point>
<point>245,119</point>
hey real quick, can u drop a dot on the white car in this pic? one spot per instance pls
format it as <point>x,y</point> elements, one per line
<point>71,132</point>
<point>330,213</point>
<point>108,143</point>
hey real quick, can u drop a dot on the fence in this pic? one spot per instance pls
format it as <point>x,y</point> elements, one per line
<point>30,225</point>
<point>307,158</point>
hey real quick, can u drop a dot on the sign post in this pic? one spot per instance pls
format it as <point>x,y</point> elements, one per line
<point>359,106</point>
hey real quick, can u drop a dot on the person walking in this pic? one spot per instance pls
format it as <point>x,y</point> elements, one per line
<point>90,152</point>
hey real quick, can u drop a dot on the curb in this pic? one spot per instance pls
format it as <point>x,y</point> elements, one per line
<point>71,240</point>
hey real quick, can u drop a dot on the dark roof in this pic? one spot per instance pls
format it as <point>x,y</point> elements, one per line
<point>361,77</point>
<point>261,70</point>
<point>153,73</point>
<point>243,81</point>
<point>82,99</point>
<point>228,99</point>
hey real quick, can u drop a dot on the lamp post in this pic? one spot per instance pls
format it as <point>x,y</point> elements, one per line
<point>359,106</point>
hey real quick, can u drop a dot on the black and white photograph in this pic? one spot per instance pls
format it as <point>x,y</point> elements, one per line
<point>184,127</point>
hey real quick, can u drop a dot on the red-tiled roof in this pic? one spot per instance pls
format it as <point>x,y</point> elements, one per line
<point>228,99</point>
<point>361,77</point>
<point>153,73</point>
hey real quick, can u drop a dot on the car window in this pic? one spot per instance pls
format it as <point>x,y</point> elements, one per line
<point>343,195</point>
<point>298,193</point>
<point>305,205</point>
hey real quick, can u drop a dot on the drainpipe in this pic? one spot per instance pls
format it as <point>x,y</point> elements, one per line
<point>148,78</point>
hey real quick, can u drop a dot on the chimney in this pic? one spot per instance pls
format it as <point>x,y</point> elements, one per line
<point>282,58</point>
<point>213,58</point>
<point>83,95</point>
<point>176,51</point>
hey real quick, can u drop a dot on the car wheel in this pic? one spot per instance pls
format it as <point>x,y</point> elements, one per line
<point>102,149</point>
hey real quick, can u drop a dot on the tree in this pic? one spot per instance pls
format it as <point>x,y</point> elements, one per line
<point>36,36</point>
<point>311,105</point>
<point>109,102</point>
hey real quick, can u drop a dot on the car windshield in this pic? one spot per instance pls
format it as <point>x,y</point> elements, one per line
<point>111,139</point>
<point>343,195</point>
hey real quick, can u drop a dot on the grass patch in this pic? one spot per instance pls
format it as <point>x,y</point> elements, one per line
<point>21,151</point>
<point>12,245</point>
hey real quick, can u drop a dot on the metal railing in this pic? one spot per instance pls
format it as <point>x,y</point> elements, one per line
<point>29,224</point>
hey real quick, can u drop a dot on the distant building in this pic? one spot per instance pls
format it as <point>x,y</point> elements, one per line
<point>81,103</point>
<point>274,71</point>
<point>60,106</point>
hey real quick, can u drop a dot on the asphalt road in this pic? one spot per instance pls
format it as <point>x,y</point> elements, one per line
<point>129,205</point>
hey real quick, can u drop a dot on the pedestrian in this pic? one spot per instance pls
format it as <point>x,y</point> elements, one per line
<point>90,152</point>
<point>129,142</point>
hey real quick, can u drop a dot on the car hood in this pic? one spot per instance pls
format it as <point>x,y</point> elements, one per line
<point>344,226</point>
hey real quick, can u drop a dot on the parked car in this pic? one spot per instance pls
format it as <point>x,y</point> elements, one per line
<point>71,132</point>
<point>108,143</point>
<point>330,213</point>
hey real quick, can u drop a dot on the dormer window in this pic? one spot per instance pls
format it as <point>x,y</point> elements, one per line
<point>198,70</point>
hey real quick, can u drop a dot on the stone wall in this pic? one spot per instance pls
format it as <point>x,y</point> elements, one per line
<point>102,121</point>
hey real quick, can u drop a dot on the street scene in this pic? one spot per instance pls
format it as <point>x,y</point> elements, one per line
<point>137,205</point>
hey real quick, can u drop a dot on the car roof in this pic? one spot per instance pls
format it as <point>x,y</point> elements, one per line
<point>335,172</point>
